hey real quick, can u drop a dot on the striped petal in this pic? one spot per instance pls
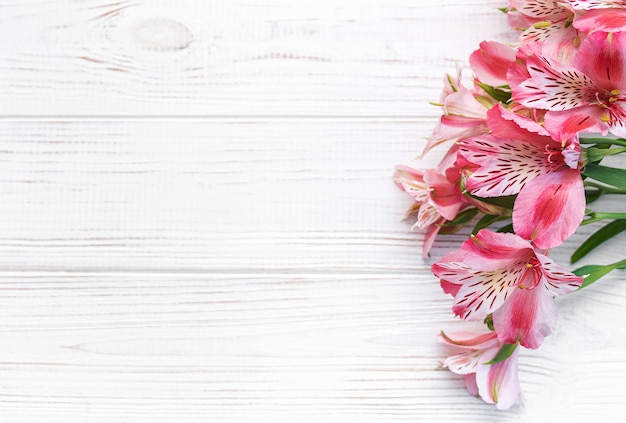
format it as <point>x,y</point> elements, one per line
<point>559,280</point>
<point>554,87</point>
<point>505,166</point>
<point>542,9</point>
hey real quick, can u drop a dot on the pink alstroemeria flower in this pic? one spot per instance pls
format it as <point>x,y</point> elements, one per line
<point>548,22</point>
<point>503,274</point>
<point>496,383</point>
<point>520,157</point>
<point>436,200</point>
<point>464,114</point>
<point>599,15</point>
<point>491,62</point>
<point>588,96</point>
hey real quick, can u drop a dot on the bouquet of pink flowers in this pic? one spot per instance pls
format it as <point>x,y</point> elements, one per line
<point>525,143</point>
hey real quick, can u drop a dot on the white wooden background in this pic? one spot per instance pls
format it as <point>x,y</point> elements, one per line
<point>198,221</point>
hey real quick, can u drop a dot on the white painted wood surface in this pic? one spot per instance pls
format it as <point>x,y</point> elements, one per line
<point>198,221</point>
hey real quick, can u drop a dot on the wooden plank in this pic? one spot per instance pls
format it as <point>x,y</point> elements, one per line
<point>288,195</point>
<point>189,57</point>
<point>160,347</point>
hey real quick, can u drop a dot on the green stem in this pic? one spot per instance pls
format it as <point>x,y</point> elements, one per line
<point>598,216</point>
<point>605,141</point>
<point>594,272</point>
<point>604,188</point>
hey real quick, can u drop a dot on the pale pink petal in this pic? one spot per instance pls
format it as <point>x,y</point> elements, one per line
<point>601,57</point>
<point>491,61</point>
<point>463,103</point>
<point>426,216</point>
<point>542,9</point>
<point>607,20</point>
<point>595,4</point>
<point>527,317</point>
<point>499,383</point>
<point>505,166</point>
<point>470,384</point>
<point>554,87</point>
<point>451,128</point>
<point>470,340</point>
<point>463,363</point>
<point>482,292</point>
<point>550,208</point>
<point>559,280</point>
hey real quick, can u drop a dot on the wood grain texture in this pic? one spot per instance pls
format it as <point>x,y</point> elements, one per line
<point>189,57</point>
<point>198,221</point>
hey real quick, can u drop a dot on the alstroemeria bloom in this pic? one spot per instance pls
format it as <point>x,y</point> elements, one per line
<point>464,114</point>
<point>496,383</point>
<point>588,96</point>
<point>600,15</point>
<point>504,274</point>
<point>436,199</point>
<point>520,157</point>
<point>548,22</point>
<point>491,62</point>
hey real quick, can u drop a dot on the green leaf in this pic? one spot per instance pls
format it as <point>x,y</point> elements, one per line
<point>498,94</point>
<point>462,218</point>
<point>592,194</point>
<point>609,175</point>
<point>507,228</point>
<point>486,221</point>
<point>603,234</point>
<point>593,272</point>
<point>505,201</point>
<point>505,352</point>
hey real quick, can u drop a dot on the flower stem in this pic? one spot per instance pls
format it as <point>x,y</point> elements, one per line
<point>604,188</point>
<point>598,216</point>
<point>609,141</point>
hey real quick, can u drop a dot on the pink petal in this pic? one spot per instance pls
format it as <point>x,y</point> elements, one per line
<point>527,317</point>
<point>470,340</point>
<point>549,209</point>
<point>601,58</point>
<point>491,62</point>
<point>595,4</point>
<point>559,280</point>
<point>506,124</point>
<point>566,124</point>
<point>606,20</point>
<point>444,196</point>
<point>499,383</point>
<point>493,251</point>
<point>429,239</point>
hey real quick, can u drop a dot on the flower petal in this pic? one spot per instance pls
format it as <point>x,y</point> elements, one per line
<point>554,87</point>
<point>601,58</point>
<point>499,383</point>
<point>505,165</point>
<point>559,280</point>
<point>566,124</point>
<point>549,209</point>
<point>527,317</point>
<point>471,340</point>
<point>491,62</point>
<point>543,9</point>
<point>606,20</point>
